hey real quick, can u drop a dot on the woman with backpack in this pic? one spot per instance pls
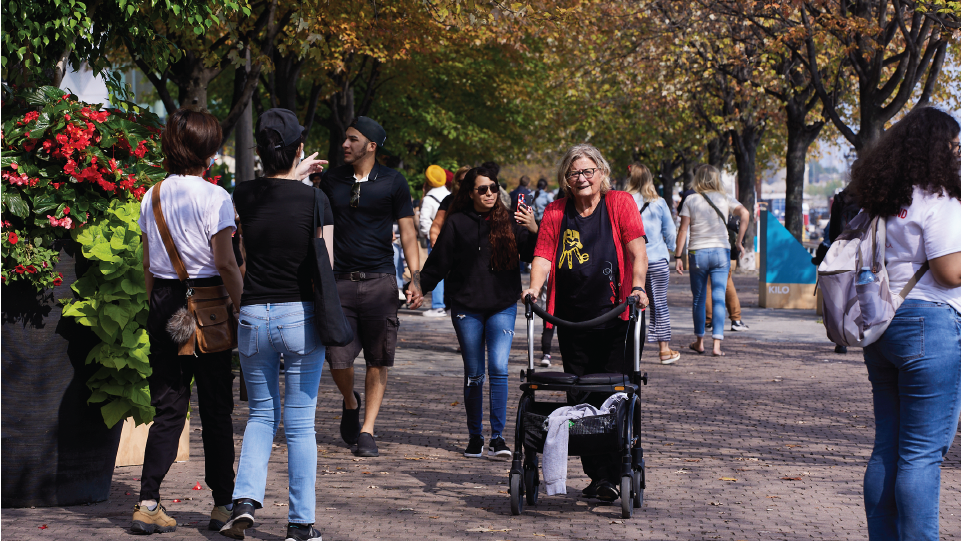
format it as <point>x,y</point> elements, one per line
<point>911,177</point>
<point>661,237</point>
<point>706,213</point>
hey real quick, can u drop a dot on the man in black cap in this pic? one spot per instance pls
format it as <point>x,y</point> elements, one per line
<point>366,199</point>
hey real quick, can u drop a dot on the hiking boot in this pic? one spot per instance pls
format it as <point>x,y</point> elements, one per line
<point>218,517</point>
<point>241,518</point>
<point>366,446</point>
<point>302,532</point>
<point>546,360</point>
<point>475,447</point>
<point>146,521</point>
<point>350,422</point>
<point>499,450</point>
<point>590,491</point>
<point>606,491</point>
<point>739,326</point>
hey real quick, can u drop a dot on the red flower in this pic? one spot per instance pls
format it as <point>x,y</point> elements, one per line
<point>66,117</point>
<point>14,166</point>
<point>29,145</point>
<point>44,264</point>
<point>58,280</point>
<point>66,210</point>
<point>13,238</point>
<point>31,269</point>
<point>19,269</point>
<point>141,150</point>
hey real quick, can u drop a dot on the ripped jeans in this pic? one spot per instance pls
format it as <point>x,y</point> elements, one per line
<point>475,333</point>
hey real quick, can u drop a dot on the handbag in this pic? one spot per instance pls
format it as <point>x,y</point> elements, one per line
<point>207,323</point>
<point>329,318</point>
<point>733,225</point>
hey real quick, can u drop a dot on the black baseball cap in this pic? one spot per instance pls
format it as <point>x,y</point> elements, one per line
<point>370,129</point>
<point>282,121</point>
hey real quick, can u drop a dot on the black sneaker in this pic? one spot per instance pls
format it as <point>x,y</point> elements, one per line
<point>499,450</point>
<point>241,518</point>
<point>739,326</point>
<point>475,448</point>
<point>606,491</point>
<point>302,532</point>
<point>350,422</point>
<point>366,446</point>
<point>590,491</point>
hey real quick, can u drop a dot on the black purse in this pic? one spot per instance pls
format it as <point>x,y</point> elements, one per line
<point>329,318</point>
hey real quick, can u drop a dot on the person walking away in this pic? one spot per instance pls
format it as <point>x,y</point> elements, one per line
<point>542,197</point>
<point>200,219</point>
<point>705,214</point>
<point>277,318</point>
<point>731,300</point>
<point>366,199</point>
<point>910,177</point>
<point>661,237</point>
<point>478,253</point>
<point>436,184</point>
<point>590,249</point>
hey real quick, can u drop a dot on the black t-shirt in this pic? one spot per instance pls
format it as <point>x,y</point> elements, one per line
<point>364,239</point>
<point>445,204</point>
<point>588,277</point>
<point>277,216</point>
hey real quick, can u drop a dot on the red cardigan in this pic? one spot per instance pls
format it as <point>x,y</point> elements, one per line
<point>625,222</point>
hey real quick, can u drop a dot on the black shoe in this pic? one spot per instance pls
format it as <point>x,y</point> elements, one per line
<point>350,422</point>
<point>606,491</point>
<point>498,450</point>
<point>302,532</point>
<point>241,518</point>
<point>366,446</point>
<point>840,349</point>
<point>475,448</point>
<point>590,491</point>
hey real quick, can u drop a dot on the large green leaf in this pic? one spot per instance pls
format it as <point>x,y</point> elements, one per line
<point>15,204</point>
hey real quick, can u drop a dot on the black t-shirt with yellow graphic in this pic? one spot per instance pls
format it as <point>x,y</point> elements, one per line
<point>587,276</point>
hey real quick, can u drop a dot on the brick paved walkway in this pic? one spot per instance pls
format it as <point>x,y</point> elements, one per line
<point>782,414</point>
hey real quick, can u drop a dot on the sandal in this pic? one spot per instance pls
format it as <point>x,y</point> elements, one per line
<point>721,354</point>
<point>699,351</point>
<point>671,357</point>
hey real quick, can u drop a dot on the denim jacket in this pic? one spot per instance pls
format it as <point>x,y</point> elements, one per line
<point>659,227</point>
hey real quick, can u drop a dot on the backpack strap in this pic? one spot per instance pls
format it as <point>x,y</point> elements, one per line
<point>169,245</point>
<point>914,280</point>
<point>644,207</point>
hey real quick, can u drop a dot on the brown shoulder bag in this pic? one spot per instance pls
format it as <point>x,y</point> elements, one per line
<point>207,323</point>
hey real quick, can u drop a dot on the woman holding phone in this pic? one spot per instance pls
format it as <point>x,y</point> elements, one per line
<point>478,253</point>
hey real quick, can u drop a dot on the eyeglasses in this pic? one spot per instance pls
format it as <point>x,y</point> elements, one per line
<point>355,195</point>
<point>956,148</point>
<point>588,174</point>
<point>482,190</point>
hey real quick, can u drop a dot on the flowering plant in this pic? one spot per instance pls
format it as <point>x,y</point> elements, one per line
<point>62,164</point>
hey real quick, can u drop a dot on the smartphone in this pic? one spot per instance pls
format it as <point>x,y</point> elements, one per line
<point>522,200</point>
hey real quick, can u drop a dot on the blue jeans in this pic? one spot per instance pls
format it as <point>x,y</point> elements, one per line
<point>266,331</point>
<point>474,332</point>
<point>437,296</point>
<point>398,265</point>
<point>915,373</point>
<point>713,264</point>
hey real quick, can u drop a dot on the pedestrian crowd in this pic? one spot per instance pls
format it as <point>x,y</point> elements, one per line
<point>295,276</point>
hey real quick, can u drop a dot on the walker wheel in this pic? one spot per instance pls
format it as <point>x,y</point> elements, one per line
<point>517,494</point>
<point>627,502</point>
<point>638,491</point>
<point>531,483</point>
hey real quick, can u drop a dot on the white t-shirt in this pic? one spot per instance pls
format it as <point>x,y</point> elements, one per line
<point>195,210</point>
<point>707,229</point>
<point>928,229</point>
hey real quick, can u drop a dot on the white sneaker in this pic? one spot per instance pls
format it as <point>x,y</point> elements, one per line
<point>546,360</point>
<point>435,312</point>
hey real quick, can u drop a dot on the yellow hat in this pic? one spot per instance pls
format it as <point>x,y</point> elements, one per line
<point>436,176</point>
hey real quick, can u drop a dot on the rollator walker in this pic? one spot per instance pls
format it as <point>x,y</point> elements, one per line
<point>619,431</point>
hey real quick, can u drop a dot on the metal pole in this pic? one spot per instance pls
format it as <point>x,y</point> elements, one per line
<point>637,338</point>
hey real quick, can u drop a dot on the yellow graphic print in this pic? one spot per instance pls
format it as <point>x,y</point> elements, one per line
<point>572,250</point>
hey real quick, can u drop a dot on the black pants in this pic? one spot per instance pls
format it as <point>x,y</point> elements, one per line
<point>170,395</point>
<point>547,335</point>
<point>596,351</point>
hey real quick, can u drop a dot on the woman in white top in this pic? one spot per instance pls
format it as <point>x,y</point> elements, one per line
<point>200,218</point>
<point>911,176</point>
<point>706,214</point>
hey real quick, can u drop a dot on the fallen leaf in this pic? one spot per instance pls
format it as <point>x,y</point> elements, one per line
<point>44,527</point>
<point>366,473</point>
<point>617,522</point>
<point>439,517</point>
<point>197,487</point>
<point>330,508</point>
<point>790,445</point>
<point>728,479</point>
<point>174,501</point>
<point>668,444</point>
<point>454,404</point>
<point>503,492</point>
<point>481,529</point>
<point>792,478</point>
<point>692,460</point>
<point>126,493</point>
<point>278,504</point>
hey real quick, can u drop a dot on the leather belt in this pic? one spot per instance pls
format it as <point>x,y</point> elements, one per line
<point>361,276</point>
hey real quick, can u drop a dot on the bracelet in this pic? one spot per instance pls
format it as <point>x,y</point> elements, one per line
<point>638,288</point>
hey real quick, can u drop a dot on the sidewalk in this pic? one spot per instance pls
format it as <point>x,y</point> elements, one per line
<point>769,442</point>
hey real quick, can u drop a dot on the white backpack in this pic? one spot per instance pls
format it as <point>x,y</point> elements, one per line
<point>858,304</point>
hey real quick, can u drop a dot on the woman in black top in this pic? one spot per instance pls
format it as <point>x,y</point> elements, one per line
<point>276,317</point>
<point>477,252</point>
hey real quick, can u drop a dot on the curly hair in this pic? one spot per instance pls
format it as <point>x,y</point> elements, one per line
<point>914,152</point>
<point>502,241</point>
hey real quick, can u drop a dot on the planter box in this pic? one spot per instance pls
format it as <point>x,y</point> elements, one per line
<point>133,442</point>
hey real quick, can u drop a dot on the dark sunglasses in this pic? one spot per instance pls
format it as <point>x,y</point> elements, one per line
<point>355,195</point>
<point>482,190</point>
<point>956,148</point>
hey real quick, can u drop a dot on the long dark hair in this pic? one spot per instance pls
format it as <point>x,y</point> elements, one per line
<point>502,241</point>
<point>914,152</point>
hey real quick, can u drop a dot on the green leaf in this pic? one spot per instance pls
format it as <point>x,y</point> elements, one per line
<point>15,204</point>
<point>115,411</point>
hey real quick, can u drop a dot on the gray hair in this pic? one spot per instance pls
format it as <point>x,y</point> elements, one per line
<point>576,152</point>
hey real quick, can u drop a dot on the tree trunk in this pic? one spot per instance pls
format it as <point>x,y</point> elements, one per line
<point>745,143</point>
<point>800,136</point>
<point>244,130</point>
<point>718,151</point>
<point>665,172</point>
<point>341,105</point>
